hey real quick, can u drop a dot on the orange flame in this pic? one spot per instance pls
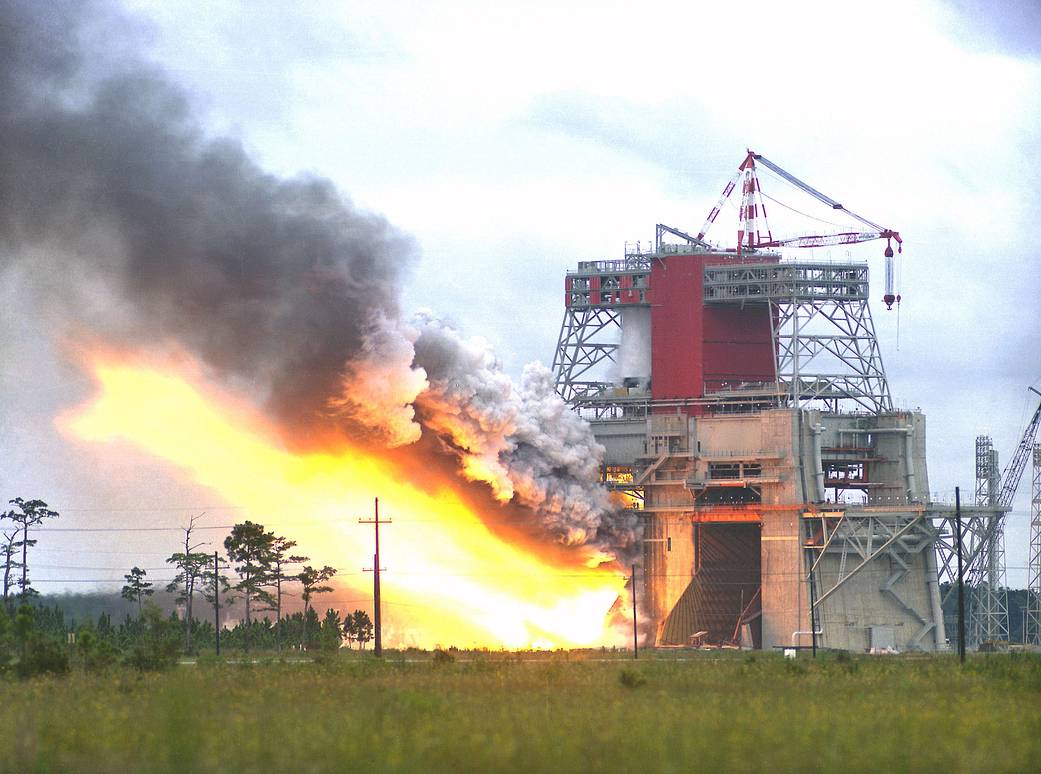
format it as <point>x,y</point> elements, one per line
<point>449,578</point>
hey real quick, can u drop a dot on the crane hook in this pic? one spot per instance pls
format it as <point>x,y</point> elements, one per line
<point>889,297</point>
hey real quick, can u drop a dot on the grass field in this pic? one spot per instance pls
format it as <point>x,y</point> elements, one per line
<point>554,712</point>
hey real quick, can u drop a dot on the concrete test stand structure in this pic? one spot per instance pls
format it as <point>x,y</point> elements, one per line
<point>746,415</point>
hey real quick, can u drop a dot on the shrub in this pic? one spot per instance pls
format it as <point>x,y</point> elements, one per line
<point>443,657</point>
<point>43,657</point>
<point>159,644</point>
<point>630,678</point>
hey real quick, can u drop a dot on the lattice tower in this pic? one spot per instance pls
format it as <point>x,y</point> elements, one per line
<point>989,617</point>
<point>1033,619</point>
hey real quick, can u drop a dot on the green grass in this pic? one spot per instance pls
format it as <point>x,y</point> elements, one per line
<point>557,712</point>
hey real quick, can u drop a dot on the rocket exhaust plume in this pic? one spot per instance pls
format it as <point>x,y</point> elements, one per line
<point>135,228</point>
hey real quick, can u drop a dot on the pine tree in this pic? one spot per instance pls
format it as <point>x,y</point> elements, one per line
<point>28,513</point>
<point>137,587</point>
<point>191,566</point>
<point>250,547</point>
<point>280,556</point>
<point>313,582</point>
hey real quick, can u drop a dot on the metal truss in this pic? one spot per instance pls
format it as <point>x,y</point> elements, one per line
<point>1033,621</point>
<point>988,619</point>
<point>825,349</point>
<point>860,539</point>
<point>827,353</point>
<point>587,339</point>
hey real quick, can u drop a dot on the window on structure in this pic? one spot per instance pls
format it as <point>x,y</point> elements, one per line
<point>618,474</point>
<point>752,470</point>
<point>730,495</point>
<point>724,470</point>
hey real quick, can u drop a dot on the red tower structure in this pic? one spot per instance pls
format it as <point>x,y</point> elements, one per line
<point>699,348</point>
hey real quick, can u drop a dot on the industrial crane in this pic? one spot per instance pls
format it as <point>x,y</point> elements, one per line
<point>1014,470</point>
<point>985,561</point>
<point>749,235</point>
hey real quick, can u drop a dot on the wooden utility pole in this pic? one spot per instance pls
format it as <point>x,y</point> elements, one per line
<point>636,644</point>
<point>216,600</point>
<point>376,622</point>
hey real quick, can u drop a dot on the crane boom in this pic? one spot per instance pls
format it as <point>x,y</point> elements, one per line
<point>824,240</point>
<point>1014,470</point>
<point>815,193</point>
<point>750,212</point>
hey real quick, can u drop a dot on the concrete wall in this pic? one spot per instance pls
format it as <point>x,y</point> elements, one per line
<point>785,595</point>
<point>787,445</point>
<point>848,616</point>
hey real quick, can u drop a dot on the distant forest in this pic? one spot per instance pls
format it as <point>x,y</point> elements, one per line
<point>1017,603</point>
<point>79,608</point>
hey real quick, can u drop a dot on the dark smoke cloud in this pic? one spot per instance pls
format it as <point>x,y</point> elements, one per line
<point>131,222</point>
<point>111,179</point>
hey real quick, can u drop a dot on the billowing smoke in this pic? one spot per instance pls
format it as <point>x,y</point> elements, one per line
<point>271,281</point>
<point>136,225</point>
<point>523,441</point>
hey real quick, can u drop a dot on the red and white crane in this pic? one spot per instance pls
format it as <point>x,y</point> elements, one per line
<point>754,230</point>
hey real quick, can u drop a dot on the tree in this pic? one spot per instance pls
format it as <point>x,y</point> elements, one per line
<point>313,582</point>
<point>191,566</point>
<point>280,556</point>
<point>215,585</point>
<point>357,626</point>
<point>137,587</point>
<point>156,647</point>
<point>9,549</point>
<point>28,513</point>
<point>250,546</point>
<point>332,630</point>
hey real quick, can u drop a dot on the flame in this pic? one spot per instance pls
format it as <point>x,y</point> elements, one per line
<point>449,579</point>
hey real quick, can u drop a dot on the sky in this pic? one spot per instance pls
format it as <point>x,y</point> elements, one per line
<point>512,140</point>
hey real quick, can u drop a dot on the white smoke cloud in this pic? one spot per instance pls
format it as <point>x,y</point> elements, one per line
<point>522,440</point>
<point>380,385</point>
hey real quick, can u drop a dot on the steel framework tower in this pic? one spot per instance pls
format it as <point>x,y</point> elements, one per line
<point>825,346</point>
<point>990,600</point>
<point>825,351</point>
<point>1033,620</point>
<point>595,299</point>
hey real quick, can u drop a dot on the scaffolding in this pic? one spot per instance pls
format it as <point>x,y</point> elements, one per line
<point>986,576</point>
<point>1032,633</point>
<point>826,353</point>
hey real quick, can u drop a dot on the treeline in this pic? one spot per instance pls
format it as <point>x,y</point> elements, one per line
<point>1017,605</point>
<point>37,639</point>
<point>258,571</point>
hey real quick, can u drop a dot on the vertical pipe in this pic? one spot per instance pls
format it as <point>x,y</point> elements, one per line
<point>813,612</point>
<point>910,482</point>
<point>932,580</point>
<point>818,461</point>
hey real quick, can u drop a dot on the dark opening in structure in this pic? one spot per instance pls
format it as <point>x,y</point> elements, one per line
<point>722,603</point>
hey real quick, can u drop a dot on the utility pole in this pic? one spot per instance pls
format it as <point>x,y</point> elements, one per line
<point>636,645</point>
<point>961,586</point>
<point>813,612</point>
<point>216,601</point>
<point>376,623</point>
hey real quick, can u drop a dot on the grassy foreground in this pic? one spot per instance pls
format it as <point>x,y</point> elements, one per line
<point>725,712</point>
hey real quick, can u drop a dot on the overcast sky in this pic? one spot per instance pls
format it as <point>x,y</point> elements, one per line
<point>514,139</point>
